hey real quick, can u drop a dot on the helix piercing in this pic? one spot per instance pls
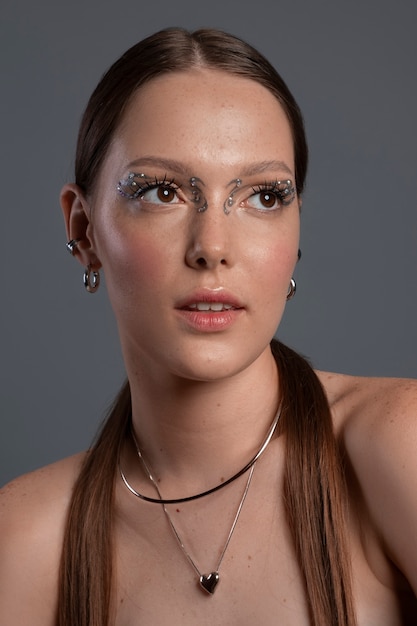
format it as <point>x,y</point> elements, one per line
<point>71,245</point>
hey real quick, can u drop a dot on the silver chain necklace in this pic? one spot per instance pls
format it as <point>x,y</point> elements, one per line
<point>208,582</point>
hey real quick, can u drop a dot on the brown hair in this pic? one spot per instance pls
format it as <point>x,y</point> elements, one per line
<point>314,487</point>
<point>173,50</point>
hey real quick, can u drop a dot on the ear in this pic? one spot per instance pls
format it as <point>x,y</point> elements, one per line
<point>77,212</point>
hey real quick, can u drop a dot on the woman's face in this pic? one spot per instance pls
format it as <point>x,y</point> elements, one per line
<point>195,224</point>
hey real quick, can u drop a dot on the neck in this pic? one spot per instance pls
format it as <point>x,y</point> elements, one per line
<point>195,434</point>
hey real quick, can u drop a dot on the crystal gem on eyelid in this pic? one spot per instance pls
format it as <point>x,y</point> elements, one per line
<point>129,187</point>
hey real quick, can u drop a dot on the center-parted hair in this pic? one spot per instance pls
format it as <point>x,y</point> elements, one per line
<point>175,50</point>
<point>314,489</point>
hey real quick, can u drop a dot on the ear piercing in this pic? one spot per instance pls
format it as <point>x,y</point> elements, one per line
<point>291,289</point>
<point>71,245</point>
<point>91,278</point>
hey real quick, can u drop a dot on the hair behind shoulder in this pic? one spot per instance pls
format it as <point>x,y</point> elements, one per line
<point>314,493</point>
<point>85,579</point>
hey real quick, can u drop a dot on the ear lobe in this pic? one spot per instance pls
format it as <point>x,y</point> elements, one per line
<point>76,210</point>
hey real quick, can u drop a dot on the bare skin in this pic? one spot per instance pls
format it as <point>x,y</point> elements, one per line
<point>260,579</point>
<point>205,386</point>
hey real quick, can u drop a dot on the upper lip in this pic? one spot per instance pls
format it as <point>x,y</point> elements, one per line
<point>210,295</point>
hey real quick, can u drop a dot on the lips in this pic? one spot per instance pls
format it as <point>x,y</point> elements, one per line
<point>216,300</point>
<point>210,310</point>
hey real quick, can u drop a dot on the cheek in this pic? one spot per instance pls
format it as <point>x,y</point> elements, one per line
<point>275,281</point>
<point>276,261</point>
<point>134,264</point>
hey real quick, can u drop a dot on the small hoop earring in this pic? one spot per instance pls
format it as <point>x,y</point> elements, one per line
<point>71,245</point>
<point>91,279</point>
<point>291,289</point>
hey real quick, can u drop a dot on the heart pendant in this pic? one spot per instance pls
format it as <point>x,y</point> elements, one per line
<point>209,583</point>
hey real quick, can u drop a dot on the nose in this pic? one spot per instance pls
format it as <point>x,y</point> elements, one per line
<point>209,242</point>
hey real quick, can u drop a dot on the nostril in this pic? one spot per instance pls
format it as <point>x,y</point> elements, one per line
<point>208,261</point>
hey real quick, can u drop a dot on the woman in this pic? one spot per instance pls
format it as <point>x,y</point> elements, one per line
<point>231,483</point>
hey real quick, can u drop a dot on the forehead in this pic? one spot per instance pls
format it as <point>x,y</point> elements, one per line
<point>205,115</point>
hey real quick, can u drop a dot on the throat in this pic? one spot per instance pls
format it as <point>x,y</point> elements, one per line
<point>166,499</point>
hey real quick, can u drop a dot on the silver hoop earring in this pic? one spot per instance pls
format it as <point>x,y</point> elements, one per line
<point>91,279</point>
<point>291,289</point>
<point>71,245</point>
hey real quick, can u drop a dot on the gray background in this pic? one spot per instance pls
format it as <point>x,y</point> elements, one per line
<point>352,67</point>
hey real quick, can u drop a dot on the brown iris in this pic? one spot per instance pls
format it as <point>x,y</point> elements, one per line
<point>165,194</point>
<point>268,199</point>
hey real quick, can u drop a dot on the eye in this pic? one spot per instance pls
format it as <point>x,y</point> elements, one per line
<point>159,194</point>
<point>264,200</point>
<point>272,196</point>
<point>147,189</point>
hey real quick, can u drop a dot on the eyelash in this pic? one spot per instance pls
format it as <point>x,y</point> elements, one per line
<point>148,185</point>
<point>283,195</point>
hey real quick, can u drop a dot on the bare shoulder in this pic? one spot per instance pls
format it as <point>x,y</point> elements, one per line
<point>376,421</point>
<point>32,517</point>
<point>43,479</point>
<point>377,403</point>
<point>30,500</point>
<point>373,412</point>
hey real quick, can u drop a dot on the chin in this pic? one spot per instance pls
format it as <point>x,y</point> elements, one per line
<point>207,365</point>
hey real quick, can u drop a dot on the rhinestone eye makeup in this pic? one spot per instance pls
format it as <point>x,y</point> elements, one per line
<point>230,200</point>
<point>198,194</point>
<point>286,191</point>
<point>136,184</point>
<point>282,191</point>
<point>130,187</point>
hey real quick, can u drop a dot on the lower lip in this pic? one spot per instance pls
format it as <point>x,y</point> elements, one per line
<point>210,321</point>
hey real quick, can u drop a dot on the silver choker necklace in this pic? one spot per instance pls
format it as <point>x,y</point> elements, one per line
<point>207,582</point>
<point>244,469</point>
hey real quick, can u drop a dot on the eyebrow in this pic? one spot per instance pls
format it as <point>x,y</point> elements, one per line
<point>169,164</point>
<point>264,166</point>
<point>251,169</point>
